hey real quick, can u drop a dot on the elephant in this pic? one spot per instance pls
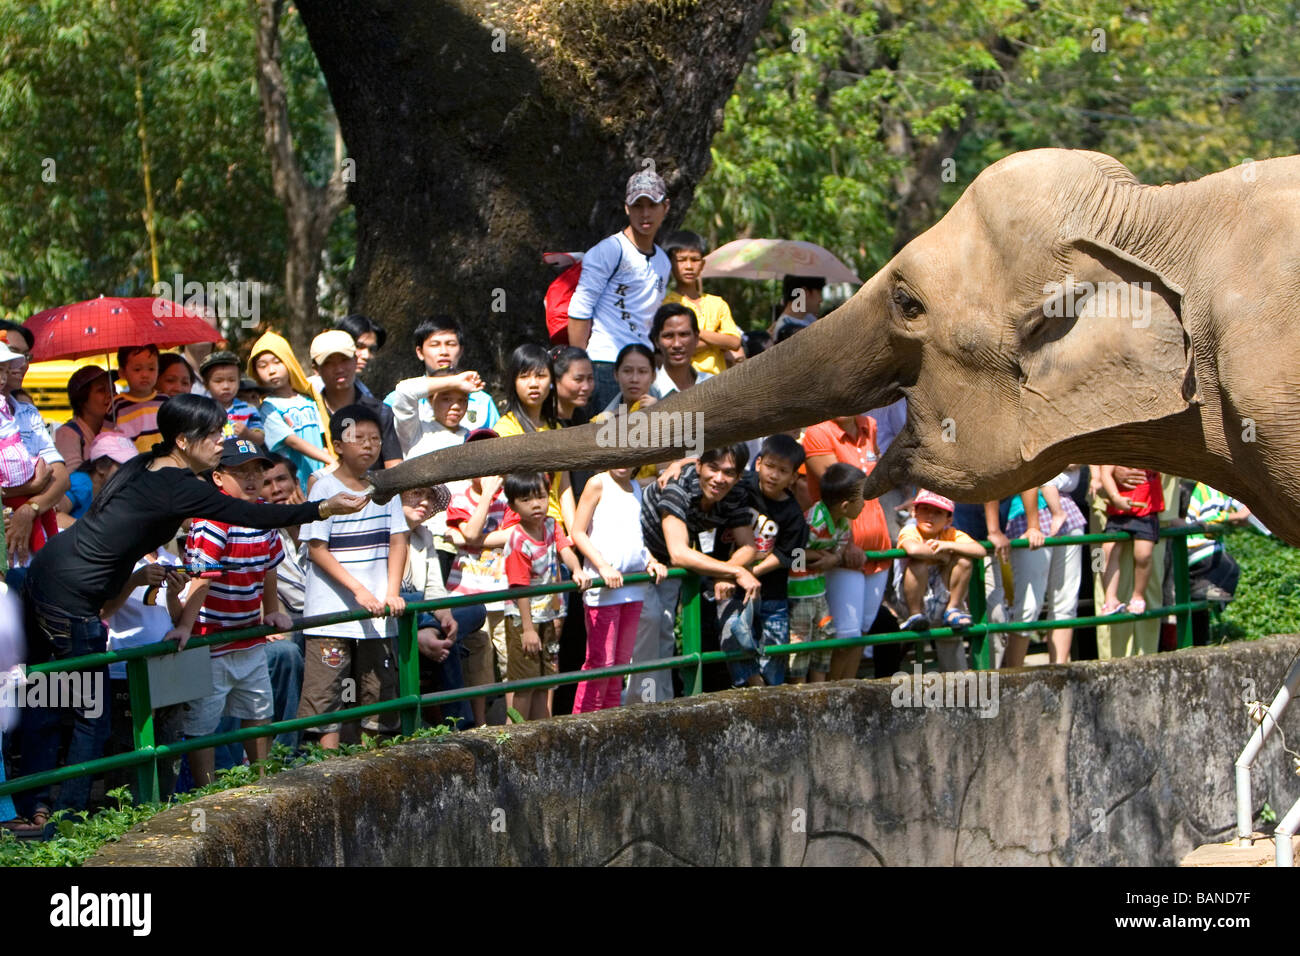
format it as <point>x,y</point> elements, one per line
<point>1060,312</point>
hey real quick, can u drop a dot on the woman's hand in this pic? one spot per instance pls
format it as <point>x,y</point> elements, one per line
<point>18,534</point>
<point>345,504</point>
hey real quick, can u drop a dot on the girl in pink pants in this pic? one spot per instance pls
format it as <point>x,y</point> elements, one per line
<point>607,532</point>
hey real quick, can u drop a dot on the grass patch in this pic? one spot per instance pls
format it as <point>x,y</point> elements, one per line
<point>1268,595</point>
<point>79,835</point>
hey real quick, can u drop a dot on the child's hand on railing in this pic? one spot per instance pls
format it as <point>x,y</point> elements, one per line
<point>277,619</point>
<point>368,601</point>
<point>612,577</point>
<point>657,571</point>
<point>583,579</point>
<point>181,634</point>
<point>396,603</point>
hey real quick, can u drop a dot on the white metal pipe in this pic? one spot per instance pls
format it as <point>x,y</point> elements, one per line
<point>1245,817</point>
<point>1282,835</point>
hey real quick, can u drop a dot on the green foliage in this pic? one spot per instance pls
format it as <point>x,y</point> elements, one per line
<point>1268,595</point>
<point>843,108</point>
<point>80,835</point>
<point>514,716</point>
<point>73,214</point>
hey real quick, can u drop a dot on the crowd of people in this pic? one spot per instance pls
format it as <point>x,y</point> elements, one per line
<point>195,499</point>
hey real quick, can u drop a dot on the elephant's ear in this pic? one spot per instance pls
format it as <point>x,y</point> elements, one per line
<point>1105,346</point>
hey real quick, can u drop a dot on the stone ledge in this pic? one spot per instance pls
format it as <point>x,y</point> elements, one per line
<point>1122,762</point>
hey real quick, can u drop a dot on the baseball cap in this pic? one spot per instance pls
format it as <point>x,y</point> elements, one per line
<point>7,354</point>
<point>111,444</point>
<point>246,384</point>
<point>646,183</point>
<point>219,358</point>
<point>239,451</point>
<point>82,379</point>
<point>924,497</point>
<point>333,342</point>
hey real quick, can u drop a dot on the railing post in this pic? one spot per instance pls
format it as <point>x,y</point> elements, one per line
<point>146,774</point>
<point>979,643</point>
<point>408,668</point>
<point>1182,588</point>
<point>693,681</point>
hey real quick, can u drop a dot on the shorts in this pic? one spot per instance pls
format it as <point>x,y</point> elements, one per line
<point>349,672</point>
<point>241,687</point>
<point>936,591</point>
<point>496,626</point>
<point>520,665</point>
<point>1142,527</point>
<point>478,659</point>
<point>810,620</point>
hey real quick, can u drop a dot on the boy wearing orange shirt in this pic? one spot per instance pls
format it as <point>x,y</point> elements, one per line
<point>936,572</point>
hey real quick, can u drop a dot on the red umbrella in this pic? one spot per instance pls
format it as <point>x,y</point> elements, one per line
<point>104,325</point>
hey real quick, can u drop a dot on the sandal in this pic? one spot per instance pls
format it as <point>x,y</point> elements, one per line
<point>957,619</point>
<point>1108,609</point>
<point>917,622</point>
<point>25,829</point>
<point>1137,606</point>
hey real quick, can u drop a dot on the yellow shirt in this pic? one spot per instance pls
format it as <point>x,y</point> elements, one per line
<point>714,315</point>
<point>509,425</point>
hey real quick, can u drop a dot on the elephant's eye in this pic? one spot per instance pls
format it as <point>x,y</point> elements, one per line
<point>906,304</point>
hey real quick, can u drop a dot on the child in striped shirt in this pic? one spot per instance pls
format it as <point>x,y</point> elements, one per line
<point>536,547</point>
<point>354,561</point>
<point>241,595</point>
<point>829,530</point>
<point>135,412</point>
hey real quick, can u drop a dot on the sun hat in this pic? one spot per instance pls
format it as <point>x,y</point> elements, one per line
<point>924,497</point>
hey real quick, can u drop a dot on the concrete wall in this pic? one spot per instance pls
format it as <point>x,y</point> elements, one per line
<point>1128,762</point>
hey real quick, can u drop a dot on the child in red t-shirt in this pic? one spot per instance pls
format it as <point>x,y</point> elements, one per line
<point>1137,511</point>
<point>537,544</point>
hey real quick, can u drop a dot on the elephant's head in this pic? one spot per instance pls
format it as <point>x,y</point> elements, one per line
<point>1016,328</point>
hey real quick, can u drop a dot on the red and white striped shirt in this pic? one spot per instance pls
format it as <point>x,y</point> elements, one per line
<point>529,561</point>
<point>234,600</point>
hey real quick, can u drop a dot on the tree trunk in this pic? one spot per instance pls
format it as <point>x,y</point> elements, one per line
<point>483,140</point>
<point>309,210</point>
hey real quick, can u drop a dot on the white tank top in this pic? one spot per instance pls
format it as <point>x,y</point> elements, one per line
<point>616,533</point>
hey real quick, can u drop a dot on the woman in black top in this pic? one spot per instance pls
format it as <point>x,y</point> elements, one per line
<point>139,510</point>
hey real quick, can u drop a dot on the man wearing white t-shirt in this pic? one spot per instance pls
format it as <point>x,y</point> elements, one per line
<point>624,277</point>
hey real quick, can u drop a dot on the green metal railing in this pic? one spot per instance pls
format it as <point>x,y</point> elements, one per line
<point>410,702</point>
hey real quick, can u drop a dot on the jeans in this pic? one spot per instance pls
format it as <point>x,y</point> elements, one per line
<point>284,662</point>
<point>770,620</point>
<point>53,635</point>
<point>655,638</point>
<point>449,673</point>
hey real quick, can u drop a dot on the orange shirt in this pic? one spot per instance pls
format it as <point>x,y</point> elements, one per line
<point>870,530</point>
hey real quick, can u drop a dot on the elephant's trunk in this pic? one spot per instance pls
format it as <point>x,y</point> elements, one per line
<point>840,365</point>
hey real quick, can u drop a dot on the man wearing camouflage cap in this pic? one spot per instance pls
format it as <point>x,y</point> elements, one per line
<point>624,277</point>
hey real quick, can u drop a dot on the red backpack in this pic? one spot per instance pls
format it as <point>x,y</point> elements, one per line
<point>558,294</point>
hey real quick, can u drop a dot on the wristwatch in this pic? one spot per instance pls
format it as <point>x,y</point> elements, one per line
<point>36,509</point>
